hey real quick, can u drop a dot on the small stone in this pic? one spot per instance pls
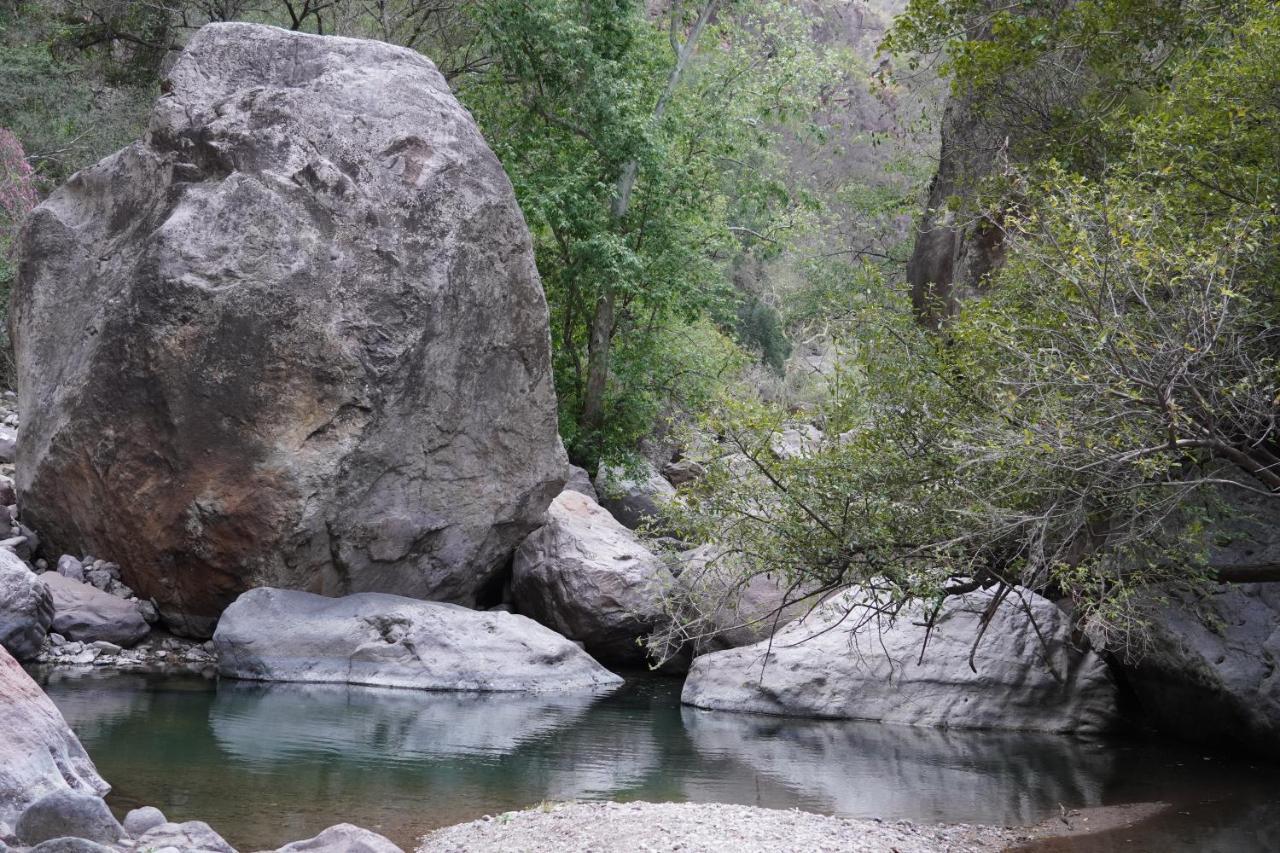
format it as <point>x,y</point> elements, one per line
<point>119,590</point>
<point>97,578</point>
<point>105,647</point>
<point>139,821</point>
<point>42,564</point>
<point>148,610</point>
<point>57,640</point>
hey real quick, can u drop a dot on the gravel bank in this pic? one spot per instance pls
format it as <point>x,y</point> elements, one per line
<point>692,828</point>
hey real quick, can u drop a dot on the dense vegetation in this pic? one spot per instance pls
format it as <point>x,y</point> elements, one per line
<point>723,248</point>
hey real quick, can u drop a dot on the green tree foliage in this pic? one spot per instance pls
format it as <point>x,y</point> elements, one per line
<point>1076,428</point>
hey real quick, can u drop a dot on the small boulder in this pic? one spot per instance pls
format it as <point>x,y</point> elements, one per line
<point>26,608</point>
<point>70,567</point>
<point>580,481</point>
<point>683,471</point>
<point>84,613</point>
<point>635,497</point>
<point>586,576</point>
<point>8,443</point>
<point>194,836</point>
<point>796,441</point>
<point>68,813</point>
<point>139,821</point>
<point>390,641</point>
<point>843,662</point>
<point>343,838</point>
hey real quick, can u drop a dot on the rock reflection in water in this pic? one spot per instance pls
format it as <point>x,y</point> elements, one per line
<point>872,770</point>
<point>272,723</point>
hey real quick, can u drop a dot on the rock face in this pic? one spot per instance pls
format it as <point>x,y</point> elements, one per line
<point>855,669</point>
<point>26,608</point>
<point>389,641</point>
<point>38,752</point>
<point>1209,672</point>
<point>586,576</point>
<point>635,499</point>
<point>86,614</point>
<point>293,337</point>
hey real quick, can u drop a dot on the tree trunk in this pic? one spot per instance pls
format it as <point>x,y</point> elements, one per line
<point>602,323</point>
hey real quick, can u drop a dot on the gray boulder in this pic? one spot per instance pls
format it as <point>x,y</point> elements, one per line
<point>390,641</point>
<point>636,497</point>
<point>728,607</point>
<point>842,662</point>
<point>140,820</point>
<point>796,441</point>
<point>8,443</point>
<point>71,845</point>
<point>343,838</point>
<point>586,576</point>
<point>84,613</point>
<point>194,836</point>
<point>39,754</point>
<point>26,608</point>
<point>307,305</point>
<point>70,567</point>
<point>580,481</point>
<point>68,813</point>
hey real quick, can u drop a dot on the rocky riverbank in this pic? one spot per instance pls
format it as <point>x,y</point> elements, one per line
<point>702,828</point>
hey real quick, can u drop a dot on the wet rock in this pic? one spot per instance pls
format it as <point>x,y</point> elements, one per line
<point>68,813</point>
<point>138,821</point>
<point>391,641</point>
<point>318,337</point>
<point>26,608</point>
<point>343,838</point>
<point>842,662</point>
<point>586,576</point>
<point>194,836</point>
<point>635,497</point>
<point>87,614</point>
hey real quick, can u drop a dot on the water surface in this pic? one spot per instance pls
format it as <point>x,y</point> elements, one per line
<point>266,764</point>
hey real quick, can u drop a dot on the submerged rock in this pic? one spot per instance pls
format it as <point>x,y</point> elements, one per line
<point>390,641</point>
<point>842,662</point>
<point>78,814</point>
<point>86,614</point>
<point>39,754</point>
<point>292,337</point>
<point>26,608</point>
<point>588,577</point>
<point>343,838</point>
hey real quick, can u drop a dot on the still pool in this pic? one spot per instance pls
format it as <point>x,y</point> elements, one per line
<point>265,764</point>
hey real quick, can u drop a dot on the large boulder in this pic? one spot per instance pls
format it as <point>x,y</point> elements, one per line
<point>78,814</point>
<point>193,836</point>
<point>26,608</point>
<point>389,641</point>
<point>841,661</point>
<point>588,577</point>
<point>82,612</point>
<point>728,607</point>
<point>635,495</point>
<point>39,754</point>
<point>293,337</point>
